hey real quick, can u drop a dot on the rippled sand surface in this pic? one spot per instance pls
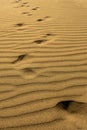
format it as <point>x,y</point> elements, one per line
<point>43,65</point>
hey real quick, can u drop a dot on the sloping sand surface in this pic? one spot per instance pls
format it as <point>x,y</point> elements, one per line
<point>43,65</point>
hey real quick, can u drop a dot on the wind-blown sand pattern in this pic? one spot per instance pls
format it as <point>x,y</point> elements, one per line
<point>43,65</point>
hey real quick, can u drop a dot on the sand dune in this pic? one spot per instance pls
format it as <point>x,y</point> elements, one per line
<point>43,65</point>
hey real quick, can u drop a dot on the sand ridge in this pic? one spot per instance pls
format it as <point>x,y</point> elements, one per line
<point>43,65</point>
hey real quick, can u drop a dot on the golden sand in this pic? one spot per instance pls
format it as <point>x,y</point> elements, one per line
<point>43,64</point>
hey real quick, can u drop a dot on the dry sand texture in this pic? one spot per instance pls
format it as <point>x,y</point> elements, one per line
<point>43,65</point>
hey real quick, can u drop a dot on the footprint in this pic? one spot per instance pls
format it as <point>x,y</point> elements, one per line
<point>48,34</point>
<point>25,3</point>
<point>40,41</point>
<point>16,2</point>
<point>28,6</point>
<point>19,58</point>
<point>35,8</point>
<point>29,14</point>
<point>24,12</point>
<point>46,17</point>
<point>28,73</point>
<point>19,24</point>
<point>22,5</point>
<point>40,20</point>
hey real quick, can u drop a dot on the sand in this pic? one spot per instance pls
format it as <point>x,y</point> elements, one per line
<point>43,65</point>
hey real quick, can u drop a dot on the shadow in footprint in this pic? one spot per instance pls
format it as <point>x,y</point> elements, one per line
<point>73,106</point>
<point>27,70</point>
<point>29,73</point>
<point>64,104</point>
<point>19,58</point>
